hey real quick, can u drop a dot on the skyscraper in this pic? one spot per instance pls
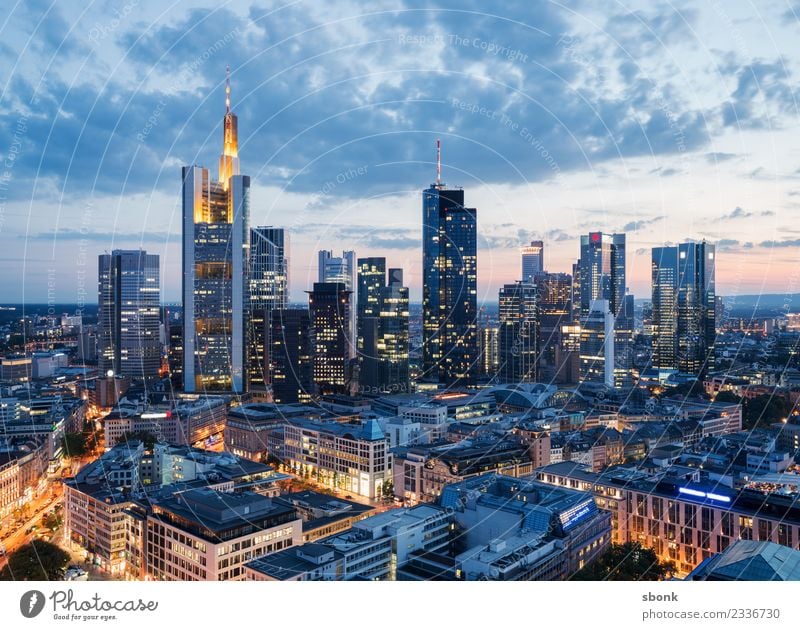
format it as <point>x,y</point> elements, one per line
<point>449,289</point>
<point>383,328</point>
<point>554,310</point>
<point>532,261</point>
<point>291,342</point>
<point>329,309</point>
<point>342,269</point>
<point>518,334</point>
<point>215,266</point>
<point>684,314</point>
<point>128,314</point>
<point>602,289</point>
<point>267,281</point>
<point>370,281</point>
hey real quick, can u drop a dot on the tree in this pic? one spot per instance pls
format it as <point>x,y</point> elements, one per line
<point>38,560</point>
<point>74,444</point>
<point>764,410</point>
<point>689,389</point>
<point>727,397</point>
<point>143,436</point>
<point>387,490</point>
<point>52,520</point>
<point>627,562</point>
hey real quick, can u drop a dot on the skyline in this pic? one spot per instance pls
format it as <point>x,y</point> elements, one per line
<point>558,124</point>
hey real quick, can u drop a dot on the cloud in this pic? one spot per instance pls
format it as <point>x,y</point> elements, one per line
<point>319,94</point>
<point>794,242</point>
<point>763,93</point>
<point>633,226</point>
<point>70,234</point>
<point>727,244</point>
<point>717,156</point>
<point>739,213</point>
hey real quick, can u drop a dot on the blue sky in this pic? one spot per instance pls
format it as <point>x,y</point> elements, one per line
<point>671,121</point>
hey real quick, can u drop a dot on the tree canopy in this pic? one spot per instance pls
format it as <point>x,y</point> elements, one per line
<point>627,562</point>
<point>38,560</point>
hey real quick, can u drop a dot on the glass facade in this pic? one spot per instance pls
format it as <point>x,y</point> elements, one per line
<point>449,291</point>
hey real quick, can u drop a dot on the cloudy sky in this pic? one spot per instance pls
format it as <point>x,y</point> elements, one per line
<point>667,120</point>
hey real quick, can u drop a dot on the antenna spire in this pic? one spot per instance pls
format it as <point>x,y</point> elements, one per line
<point>438,163</point>
<point>227,89</point>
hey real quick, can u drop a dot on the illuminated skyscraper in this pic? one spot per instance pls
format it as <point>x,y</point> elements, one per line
<point>532,261</point>
<point>518,334</point>
<point>342,269</point>
<point>383,328</point>
<point>554,311</point>
<point>290,355</point>
<point>684,313</point>
<point>602,289</point>
<point>215,267</point>
<point>267,283</point>
<point>329,308</point>
<point>449,290</point>
<point>129,306</point>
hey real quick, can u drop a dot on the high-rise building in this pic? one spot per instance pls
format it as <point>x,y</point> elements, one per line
<point>449,289</point>
<point>684,307</point>
<point>329,308</point>
<point>383,328</point>
<point>532,261</point>
<point>268,282</point>
<point>216,240</point>
<point>554,310</point>
<point>342,269</point>
<point>129,307</point>
<point>518,335</point>
<point>371,280</point>
<point>490,355</point>
<point>602,286</point>
<point>290,355</point>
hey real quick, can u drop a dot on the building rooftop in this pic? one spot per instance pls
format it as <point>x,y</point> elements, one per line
<point>749,560</point>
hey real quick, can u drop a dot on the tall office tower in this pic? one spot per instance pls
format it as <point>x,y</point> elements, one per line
<point>576,292</point>
<point>370,281</point>
<point>449,289</point>
<point>128,313</point>
<point>518,334</point>
<point>490,353</point>
<point>329,308</point>
<point>383,328</point>
<point>291,342</point>
<point>267,282</point>
<point>554,311</point>
<point>216,240</point>
<point>532,261</point>
<point>342,269</point>
<point>684,307</point>
<point>664,278</point>
<point>602,285</point>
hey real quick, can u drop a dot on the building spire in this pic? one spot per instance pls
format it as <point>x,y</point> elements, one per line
<point>227,89</point>
<point>438,163</point>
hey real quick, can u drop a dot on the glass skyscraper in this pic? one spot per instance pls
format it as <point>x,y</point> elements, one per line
<point>449,290</point>
<point>518,333</point>
<point>329,309</point>
<point>128,316</point>
<point>383,314</point>
<point>342,269</point>
<point>684,313</point>
<point>215,267</point>
<point>267,282</point>
<point>291,342</point>
<point>601,277</point>
<point>532,261</point>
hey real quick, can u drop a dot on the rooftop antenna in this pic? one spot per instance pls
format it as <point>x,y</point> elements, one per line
<point>227,89</point>
<point>438,163</point>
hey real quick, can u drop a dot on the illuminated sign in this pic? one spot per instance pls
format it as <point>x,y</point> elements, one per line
<point>704,495</point>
